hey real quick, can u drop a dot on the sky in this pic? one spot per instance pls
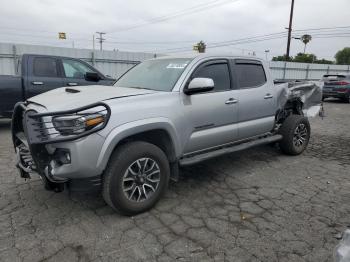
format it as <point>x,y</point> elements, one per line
<point>175,26</point>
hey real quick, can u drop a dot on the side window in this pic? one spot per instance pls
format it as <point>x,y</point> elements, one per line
<point>250,75</point>
<point>218,72</point>
<point>45,66</point>
<point>75,69</point>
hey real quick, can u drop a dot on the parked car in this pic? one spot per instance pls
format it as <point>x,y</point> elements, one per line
<point>128,141</point>
<point>337,86</point>
<point>40,73</point>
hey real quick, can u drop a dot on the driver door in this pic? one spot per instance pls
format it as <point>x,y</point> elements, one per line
<point>74,72</point>
<point>212,115</point>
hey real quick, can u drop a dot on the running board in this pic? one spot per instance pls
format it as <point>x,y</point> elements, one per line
<point>227,150</point>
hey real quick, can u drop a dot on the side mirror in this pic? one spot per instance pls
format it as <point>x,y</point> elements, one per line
<point>92,76</point>
<point>199,85</point>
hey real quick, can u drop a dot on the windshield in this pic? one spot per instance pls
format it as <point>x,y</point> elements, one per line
<point>160,75</point>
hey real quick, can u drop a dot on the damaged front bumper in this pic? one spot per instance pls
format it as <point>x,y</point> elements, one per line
<point>59,159</point>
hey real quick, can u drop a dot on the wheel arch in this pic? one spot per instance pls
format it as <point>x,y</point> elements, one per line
<point>293,106</point>
<point>159,132</point>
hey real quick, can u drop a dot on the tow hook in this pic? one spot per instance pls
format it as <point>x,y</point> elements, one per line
<point>50,184</point>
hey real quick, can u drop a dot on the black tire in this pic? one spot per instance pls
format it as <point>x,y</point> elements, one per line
<point>346,99</point>
<point>118,168</point>
<point>293,143</point>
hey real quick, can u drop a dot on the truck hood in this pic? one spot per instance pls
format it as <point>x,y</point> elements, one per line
<point>66,98</point>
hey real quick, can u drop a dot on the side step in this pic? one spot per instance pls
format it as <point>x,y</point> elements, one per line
<point>226,150</point>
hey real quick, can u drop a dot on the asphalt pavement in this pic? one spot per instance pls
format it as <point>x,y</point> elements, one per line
<point>256,205</point>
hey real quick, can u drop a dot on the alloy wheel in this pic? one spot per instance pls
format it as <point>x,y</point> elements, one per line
<point>141,179</point>
<point>300,135</point>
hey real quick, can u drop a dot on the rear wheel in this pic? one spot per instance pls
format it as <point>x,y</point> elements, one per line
<point>296,134</point>
<point>136,177</point>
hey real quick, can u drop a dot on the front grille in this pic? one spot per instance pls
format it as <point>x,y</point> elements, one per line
<point>25,159</point>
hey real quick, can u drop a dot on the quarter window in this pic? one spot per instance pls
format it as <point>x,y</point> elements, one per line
<point>45,66</point>
<point>250,75</point>
<point>219,72</point>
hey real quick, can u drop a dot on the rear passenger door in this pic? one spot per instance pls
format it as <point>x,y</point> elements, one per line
<point>43,75</point>
<point>256,101</point>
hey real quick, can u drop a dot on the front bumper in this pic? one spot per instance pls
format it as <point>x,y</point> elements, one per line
<point>57,161</point>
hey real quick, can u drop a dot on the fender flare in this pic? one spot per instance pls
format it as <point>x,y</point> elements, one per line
<point>133,128</point>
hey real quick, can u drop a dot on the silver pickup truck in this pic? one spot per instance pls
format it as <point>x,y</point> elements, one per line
<point>129,139</point>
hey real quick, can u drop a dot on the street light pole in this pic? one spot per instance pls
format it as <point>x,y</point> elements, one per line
<point>266,52</point>
<point>290,30</point>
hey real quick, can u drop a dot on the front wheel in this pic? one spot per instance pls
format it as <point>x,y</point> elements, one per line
<point>136,176</point>
<point>296,135</point>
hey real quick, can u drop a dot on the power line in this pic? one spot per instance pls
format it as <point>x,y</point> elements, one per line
<point>191,10</point>
<point>233,42</point>
<point>248,40</point>
<point>322,28</point>
<point>325,32</point>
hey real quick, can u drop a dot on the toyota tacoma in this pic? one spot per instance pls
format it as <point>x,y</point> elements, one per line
<point>129,140</point>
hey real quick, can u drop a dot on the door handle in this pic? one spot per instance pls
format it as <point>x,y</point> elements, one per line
<point>72,84</point>
<point>36,83</point>
<point>231,101</point>
<point>268,96</point>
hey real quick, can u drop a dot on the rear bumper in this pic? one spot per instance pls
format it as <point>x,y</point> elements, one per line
<point>336,94</point>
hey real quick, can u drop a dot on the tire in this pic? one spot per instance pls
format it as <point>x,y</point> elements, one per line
<point>346,99</point>
<point>296,135</point>
<point>128,171</point>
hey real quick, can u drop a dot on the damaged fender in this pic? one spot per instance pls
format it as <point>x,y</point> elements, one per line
<point>308,92</point>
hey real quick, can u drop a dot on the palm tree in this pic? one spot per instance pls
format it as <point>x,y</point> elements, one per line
<point>306,39</point>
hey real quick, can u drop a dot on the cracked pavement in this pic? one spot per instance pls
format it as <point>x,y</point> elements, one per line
<point>256,205</point>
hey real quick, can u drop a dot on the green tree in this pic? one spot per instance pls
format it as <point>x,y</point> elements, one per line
<point>282,58</point>
<point>305,39</point>
<point>323,61</point>
<point>343,56</point>
<point>305,58</point>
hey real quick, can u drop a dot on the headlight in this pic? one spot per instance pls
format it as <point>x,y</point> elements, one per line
<point>77,124</point>
<point>61,126</point>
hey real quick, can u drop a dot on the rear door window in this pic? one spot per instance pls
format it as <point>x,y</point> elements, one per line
<point>45,67</point>
<point>250,75</point>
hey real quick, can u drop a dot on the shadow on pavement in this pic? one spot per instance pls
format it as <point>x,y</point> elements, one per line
<point>334,101</point>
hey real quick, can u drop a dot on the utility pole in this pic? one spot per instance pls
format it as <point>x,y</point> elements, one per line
<point>290,30</point>
<point>101,39</point>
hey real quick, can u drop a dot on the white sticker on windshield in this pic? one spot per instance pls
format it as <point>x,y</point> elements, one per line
<point>177,66</point>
